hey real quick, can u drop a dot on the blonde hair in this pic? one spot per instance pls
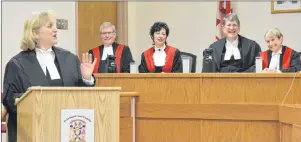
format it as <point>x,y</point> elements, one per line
<point>275,32</point>
<point>107,25</point>
<point>31,29</point>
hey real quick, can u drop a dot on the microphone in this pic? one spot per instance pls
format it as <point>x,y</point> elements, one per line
<point>208,61</point>
<point>110,64</point>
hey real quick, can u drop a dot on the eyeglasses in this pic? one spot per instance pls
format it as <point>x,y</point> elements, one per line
<point>105,33</point>
<point>233,25</point>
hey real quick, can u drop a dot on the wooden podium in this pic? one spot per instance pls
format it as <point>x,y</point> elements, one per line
<point>211,107</point>
<point>39,112</point>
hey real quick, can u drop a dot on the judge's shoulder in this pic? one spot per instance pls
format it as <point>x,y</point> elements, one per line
<point>124,45</point>
<point>63,51</point>
<point>241,38</point>
<point>176,49</point>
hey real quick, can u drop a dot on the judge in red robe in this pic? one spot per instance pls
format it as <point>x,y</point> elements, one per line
<point>279,58</point>
<point>122,53</point>
<point>161,57</point>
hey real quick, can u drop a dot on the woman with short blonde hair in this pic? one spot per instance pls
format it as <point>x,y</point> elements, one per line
<point>279,58</point>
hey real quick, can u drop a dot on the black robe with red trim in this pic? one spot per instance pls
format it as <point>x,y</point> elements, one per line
<point>173,61</point>
<point>123,59</point>
<point>289,60</point>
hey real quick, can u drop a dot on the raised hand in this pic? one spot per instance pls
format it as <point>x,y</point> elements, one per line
<point>87,66</point>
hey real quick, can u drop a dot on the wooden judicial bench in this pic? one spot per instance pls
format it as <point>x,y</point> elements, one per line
<point>209,107</point>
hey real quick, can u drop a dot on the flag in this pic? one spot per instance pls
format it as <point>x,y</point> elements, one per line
<point>223,8</point>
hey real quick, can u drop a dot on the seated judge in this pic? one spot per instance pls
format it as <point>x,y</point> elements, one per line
<point>161,58</point>
<point>279,58</point>
<point>122,53</point>
<point>234,53</point>
<point>41,64</point>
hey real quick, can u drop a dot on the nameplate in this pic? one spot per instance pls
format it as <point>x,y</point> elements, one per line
<point>77,125</point>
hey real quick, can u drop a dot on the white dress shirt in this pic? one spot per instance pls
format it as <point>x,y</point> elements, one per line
<point>275,60</point>
<point>159,56</point>
<point>232,49</point>
<point>107,50</point>
<point>46,60</point>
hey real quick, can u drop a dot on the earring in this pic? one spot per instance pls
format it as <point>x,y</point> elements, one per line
<point>37,43</point>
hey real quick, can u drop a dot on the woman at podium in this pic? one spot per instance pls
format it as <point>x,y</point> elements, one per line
<point>161,57</point>
<point>279,58</point>
<point>41,64</point>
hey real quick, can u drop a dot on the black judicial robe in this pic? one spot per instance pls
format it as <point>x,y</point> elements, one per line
<point>173,61</point>
<point>249,50</point>
<point>123,58</point>
<point>24,71</point>
<point>289,60</point>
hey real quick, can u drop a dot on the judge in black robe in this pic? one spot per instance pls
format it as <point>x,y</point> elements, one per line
<point>243,50</point>
<point>248,50</point>
<point>161,57</point>
<point>25,69</point>
<point>123,58</point>
<point>122,53</point>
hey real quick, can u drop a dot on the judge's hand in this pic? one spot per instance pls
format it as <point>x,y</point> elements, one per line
<point>272,70</point>
<point>87,66</point>
<point>265,70</point>
<point>17,100</point>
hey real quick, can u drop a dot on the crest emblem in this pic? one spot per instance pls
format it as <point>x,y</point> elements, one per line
<point>77,131</point>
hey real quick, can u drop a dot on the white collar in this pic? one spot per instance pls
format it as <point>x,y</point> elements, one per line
<point>49,50</point>
<point>279,52</point>
<point>160,49</point>
<point>46,60</point>
<point>110,46</point>
<point>234,43</point>
<point>232,49</point>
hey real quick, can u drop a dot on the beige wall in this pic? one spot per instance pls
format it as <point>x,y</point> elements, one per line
<point>192,24</point>
<point>256,18</point>
<point>14,15</point>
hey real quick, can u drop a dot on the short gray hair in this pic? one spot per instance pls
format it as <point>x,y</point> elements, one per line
<point>274,32</point>
<point>106,25</point>
<point>231,17</point>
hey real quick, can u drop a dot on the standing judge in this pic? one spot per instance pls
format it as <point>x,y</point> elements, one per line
<point>234,53</point>
<point>41,64</point>
<point>279,58</point>
<point>122,53</point>
<point>161,57</point>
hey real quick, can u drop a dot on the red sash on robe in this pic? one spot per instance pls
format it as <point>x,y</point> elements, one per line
<point>170,53</point>
<point>285,61</point>
<point>118,54</point>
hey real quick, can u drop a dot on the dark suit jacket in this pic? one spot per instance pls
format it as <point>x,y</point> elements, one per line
<point>24,71</point>
<point>250,49</point>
